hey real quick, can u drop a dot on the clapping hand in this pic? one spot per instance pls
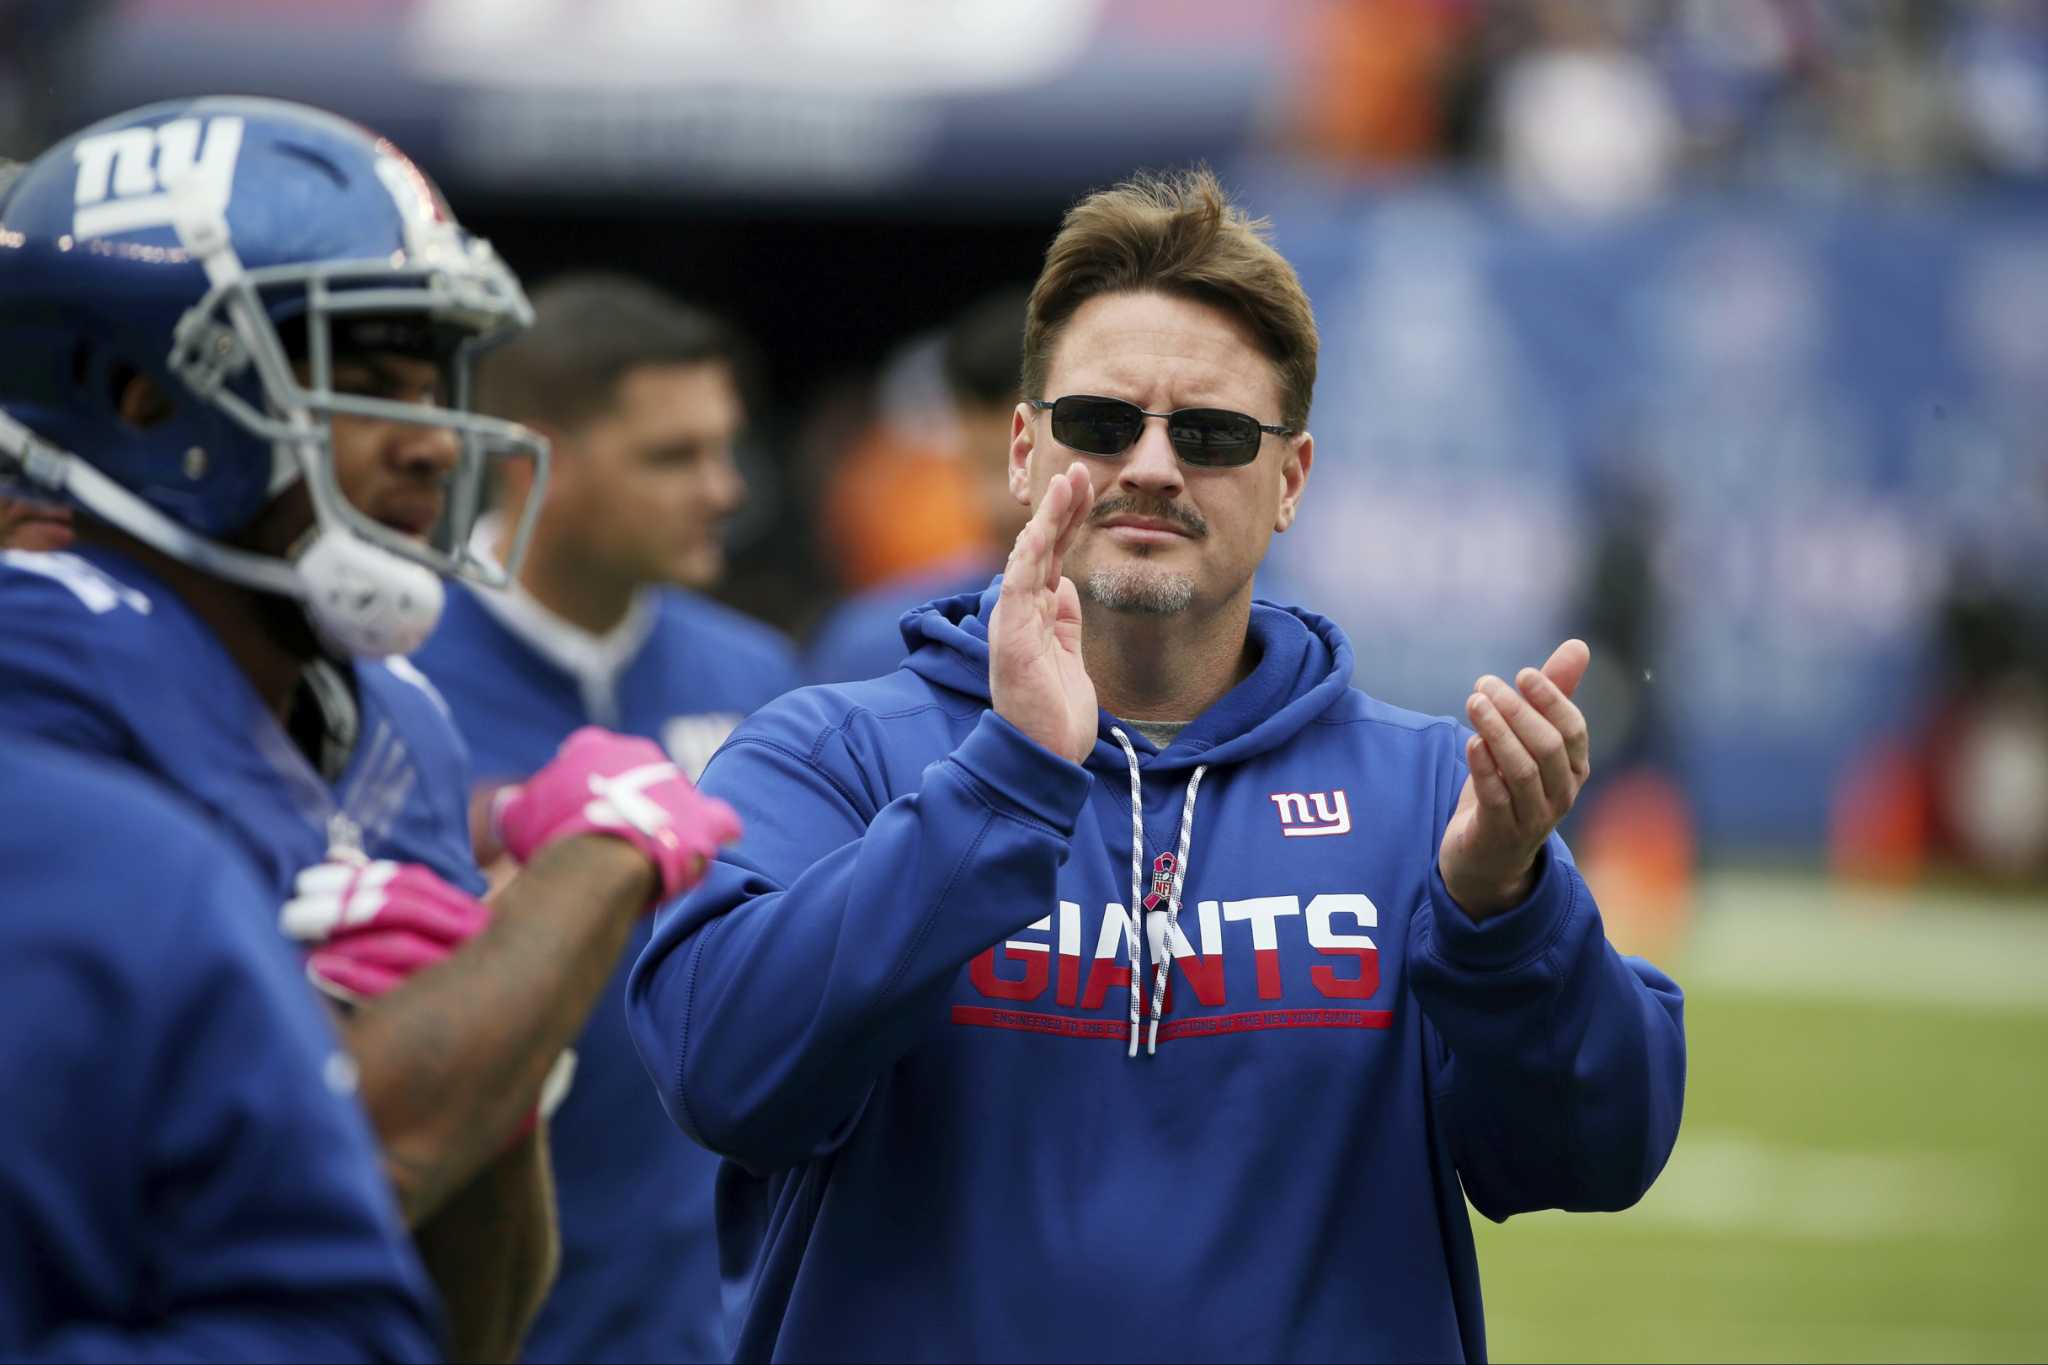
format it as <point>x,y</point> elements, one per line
<point>1528,762</point>
<point>1035,675</point>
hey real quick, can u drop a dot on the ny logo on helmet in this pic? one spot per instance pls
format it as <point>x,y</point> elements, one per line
<point>127,179</point>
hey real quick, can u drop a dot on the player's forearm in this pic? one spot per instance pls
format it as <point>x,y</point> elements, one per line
<point>492,1251</point>
<point>453,1060</point>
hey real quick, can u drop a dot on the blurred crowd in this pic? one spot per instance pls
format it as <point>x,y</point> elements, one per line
<point>878,481</point>
<point>1602,103</point>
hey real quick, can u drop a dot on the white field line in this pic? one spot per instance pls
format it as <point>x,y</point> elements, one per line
<point>1807,938</point>
<point>1722,1182</point>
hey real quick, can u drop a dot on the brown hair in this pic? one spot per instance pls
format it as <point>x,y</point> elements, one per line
<point>1177,235</point>
<point>589,329</point>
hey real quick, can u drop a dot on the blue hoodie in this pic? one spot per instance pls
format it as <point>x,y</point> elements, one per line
<point>863,636</point>
<point>900,1010</point>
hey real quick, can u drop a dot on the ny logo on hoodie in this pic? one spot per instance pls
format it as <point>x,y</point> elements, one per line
<point>1332,813</point>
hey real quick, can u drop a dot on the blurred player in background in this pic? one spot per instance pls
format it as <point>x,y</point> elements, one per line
<point>640,398</point>
<point>236,335</point>
<point>1390,988</point>
<point>984,348</point>
<point>185,1172</point>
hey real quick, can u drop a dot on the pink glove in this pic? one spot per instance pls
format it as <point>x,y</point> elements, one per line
<point>374,924</point>
<point>605,783</point>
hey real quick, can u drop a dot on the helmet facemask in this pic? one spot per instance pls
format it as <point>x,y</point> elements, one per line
<point>368,588</point>
<point>332,310</point>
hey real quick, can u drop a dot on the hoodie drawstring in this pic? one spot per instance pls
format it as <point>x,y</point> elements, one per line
<point>1180,872</point>
<point>1137,877</point>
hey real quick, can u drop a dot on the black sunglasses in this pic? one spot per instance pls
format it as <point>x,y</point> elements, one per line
<point>1212,437</point>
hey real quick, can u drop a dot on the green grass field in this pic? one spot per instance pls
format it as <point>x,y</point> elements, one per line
<point>1863,1170</point>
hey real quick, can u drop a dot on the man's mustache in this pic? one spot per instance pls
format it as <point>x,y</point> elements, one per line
<point>1186,518</point>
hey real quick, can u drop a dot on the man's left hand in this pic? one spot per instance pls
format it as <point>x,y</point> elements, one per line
<point>1528,761</point>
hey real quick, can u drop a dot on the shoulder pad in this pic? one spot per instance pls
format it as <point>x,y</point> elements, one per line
<point>91,585</point>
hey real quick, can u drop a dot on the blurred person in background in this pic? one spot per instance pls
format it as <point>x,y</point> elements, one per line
<point>1985,744</point>
<point>606,624</point>
<point>887,1010</point>
<point>1582,124</point>
<point>894,496</point>
<point>1370,88</point>
<point>983,350</point>
<point>1633,829</point>
<point>1996,61</point>
<point>1963,787</point>
<point>184,1168</point>
<point>258,426</point>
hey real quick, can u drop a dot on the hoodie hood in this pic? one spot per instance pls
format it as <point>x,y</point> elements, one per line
<point>1303,669</point>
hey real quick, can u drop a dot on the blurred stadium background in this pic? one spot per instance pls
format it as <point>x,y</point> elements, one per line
<point>1713,330</point>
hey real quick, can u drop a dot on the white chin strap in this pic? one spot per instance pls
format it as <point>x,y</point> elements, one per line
<point>362,599</point>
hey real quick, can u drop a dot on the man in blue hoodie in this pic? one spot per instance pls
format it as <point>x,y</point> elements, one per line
<point>1348,973</point>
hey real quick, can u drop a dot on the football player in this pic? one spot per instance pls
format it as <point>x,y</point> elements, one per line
<point>637,395</point>
<point>167,1078</point>
<point>236,335</point>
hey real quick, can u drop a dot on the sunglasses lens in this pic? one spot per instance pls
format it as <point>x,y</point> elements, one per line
<point>1214,436</point>
<point>1200,436</point>
<point>1097,426</point>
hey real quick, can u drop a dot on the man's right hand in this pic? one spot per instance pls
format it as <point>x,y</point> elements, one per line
<point>1036,677</point>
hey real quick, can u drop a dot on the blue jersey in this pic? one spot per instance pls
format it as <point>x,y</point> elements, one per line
<point>639,1275</point>
<point>98,655</point>
<point>863,636</point>
<point>901,1010</point>
<point>184,1172</point>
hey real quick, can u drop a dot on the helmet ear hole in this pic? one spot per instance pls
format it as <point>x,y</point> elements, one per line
<point>139,399</point>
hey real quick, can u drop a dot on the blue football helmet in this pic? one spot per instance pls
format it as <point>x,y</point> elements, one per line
<point>210,244</point>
